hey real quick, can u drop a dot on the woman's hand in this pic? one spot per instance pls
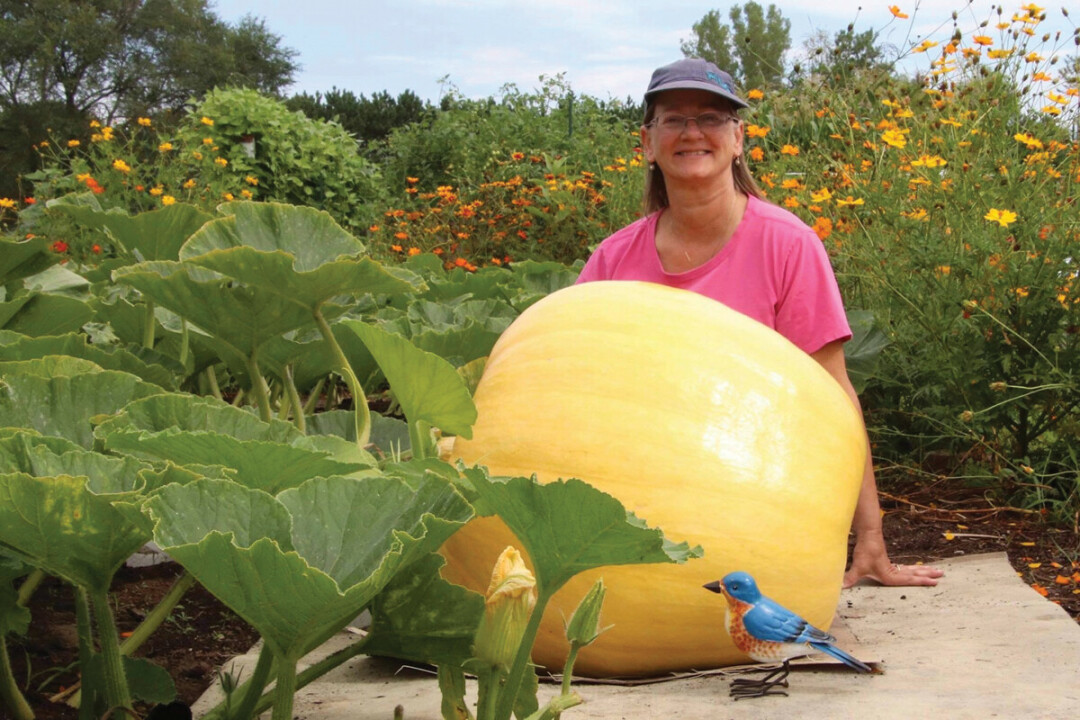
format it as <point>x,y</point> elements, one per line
<point>870,559</point>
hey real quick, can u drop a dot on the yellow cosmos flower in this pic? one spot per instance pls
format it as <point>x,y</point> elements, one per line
<point>165,147</point>
<point>930,161</point>
<point>207,121</point>
<point>895,138</point>
<point>208,141</point>
<point>1032,9</point>
<point>916,214</point>
<point>167,200</point>
<point>221,161</point>
<point>156,191</point>
<point>7,203</point>
<point>982,40</point>
<point>849,201</point>
<point>246,194</point>
<point>895,10</point>
<point>757,131</point>
<point>122,166</point>
<point>1033,57</point>
<point>1041,77</point>
<point>999,54</point>
<point>73,143</point>
<point>1051,110</point>
<point>196,154</point>
<point>251,180</point>
<point>789,150</point>
<point>188,184</point>
<point>144,121</point>
<point>951,122</point>
<point>1004,218</point>
<point>1032,142</point>
<point>821,196</point>
<point>1059,99</point>
<point>95,124</point>
<point>924,46</point>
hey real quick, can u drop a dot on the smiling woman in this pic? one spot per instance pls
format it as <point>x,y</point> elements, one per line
<point>707,229</point>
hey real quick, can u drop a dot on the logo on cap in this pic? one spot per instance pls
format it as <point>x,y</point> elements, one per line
<point>720,81</point>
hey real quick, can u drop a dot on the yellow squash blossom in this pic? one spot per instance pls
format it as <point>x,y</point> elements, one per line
<point>1004,218</point>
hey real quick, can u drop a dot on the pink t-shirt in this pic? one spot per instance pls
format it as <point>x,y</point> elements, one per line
<point>773,269</point>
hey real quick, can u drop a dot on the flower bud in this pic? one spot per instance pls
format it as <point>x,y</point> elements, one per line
<point>584,625</point>
<point>507,606</point>
<point>967,416</point>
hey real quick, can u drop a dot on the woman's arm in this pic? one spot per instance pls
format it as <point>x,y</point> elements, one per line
<point>870,557</point>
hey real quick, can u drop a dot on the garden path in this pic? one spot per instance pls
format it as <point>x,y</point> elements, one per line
<point>981,644</point>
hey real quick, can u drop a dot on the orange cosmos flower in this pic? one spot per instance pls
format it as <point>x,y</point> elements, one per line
<point>895,10</point>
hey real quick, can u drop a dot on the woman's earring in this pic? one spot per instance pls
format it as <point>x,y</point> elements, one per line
<point>738,161</point>
<point>652,167</point>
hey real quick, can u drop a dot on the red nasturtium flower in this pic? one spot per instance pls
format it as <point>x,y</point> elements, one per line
<point>60,246</point>
<point>96,249</point>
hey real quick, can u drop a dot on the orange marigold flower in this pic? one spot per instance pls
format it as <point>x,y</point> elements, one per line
<point>414,251</point>
<point>757,154</point>
<point>373,229</point>
<point>395,248</point>
<point>823,226</point>
<point>754,94</point>
<point>401,236</point>
<point>757,131</point>
<point>789,150</point>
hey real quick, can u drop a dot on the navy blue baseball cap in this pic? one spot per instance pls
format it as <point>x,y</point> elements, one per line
<point>694,74</point>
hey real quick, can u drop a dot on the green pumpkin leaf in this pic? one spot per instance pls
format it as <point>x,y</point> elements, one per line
<point>38,314</point>
<point>350,538</point>
<point>58,525</point>
<point>148,681</point>
<point>427,387</point>
<point>64,405</point>
<point>23,258</point>
<point>242,317</point>
<point>422,618</point>
<point>298,252</point>
<point>75,345</point>
<point>568,526</point>
<point>153,235</point>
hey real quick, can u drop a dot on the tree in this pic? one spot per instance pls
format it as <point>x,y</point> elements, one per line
<point>752,49</point>
<point>367,118</point>
<point>711,41</point>
<point>121,58</point>
<point>837,59</point>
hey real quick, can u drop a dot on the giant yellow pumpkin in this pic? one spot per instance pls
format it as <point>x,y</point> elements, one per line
<point>703,422</point>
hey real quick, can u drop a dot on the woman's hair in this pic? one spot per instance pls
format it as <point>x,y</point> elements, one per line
<point>655,196</point>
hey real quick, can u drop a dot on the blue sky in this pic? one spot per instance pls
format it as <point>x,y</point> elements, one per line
<point>606,48</point>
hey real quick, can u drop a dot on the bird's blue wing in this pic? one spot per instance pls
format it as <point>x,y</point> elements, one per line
<point>771,621</point>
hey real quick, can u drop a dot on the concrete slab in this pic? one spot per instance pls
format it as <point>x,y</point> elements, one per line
<point>980,645</point>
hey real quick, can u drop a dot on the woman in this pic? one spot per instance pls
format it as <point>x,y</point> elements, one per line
<point>707,229</point>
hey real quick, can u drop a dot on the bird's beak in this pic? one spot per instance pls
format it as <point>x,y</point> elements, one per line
<point>714,586</point>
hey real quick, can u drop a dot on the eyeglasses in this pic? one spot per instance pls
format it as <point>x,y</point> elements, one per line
<point>709,122</point>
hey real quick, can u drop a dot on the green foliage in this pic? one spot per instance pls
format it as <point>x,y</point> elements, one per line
<point>751,49</point>
<point>295,159</point>
<point>369,119</point>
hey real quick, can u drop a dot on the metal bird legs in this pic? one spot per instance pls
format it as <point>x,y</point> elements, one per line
<point>771,684</point>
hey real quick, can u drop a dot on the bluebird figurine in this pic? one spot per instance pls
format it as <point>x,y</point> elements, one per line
<point>767,632</point>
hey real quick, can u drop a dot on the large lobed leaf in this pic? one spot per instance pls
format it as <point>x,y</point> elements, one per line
<point>348,539</point>
<point>568,526</point>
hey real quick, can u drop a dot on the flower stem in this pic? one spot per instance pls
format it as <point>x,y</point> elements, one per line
<point>29,585</point>
<point>509,693</point>
<point>284,689</point>
<point>158,615</point>
<point>313,398</point>
<point>211,379</point>
<point>251,691</point>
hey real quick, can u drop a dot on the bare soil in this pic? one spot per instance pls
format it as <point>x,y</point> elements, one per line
<point>924,522</point>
